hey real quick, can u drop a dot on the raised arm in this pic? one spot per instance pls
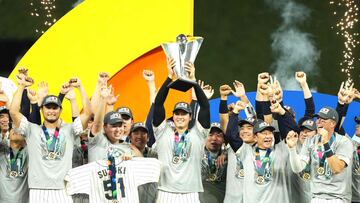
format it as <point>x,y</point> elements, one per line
<point>309,101</point>
<point>71,97</point>
<point>297,164</point>
<point>23,82</point>
<point>224,90</point>
<point>34,116</point>
<point>159,110</point>
<point>99,112</point>
<point>87,113</point>
<point>232,130</point>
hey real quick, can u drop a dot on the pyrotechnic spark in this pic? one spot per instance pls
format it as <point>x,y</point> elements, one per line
<point>345,28</point>
<point>44,10</point>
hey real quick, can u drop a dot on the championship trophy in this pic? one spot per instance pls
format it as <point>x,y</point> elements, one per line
<point>183,50</point>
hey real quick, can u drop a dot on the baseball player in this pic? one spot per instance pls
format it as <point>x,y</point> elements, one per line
<point>13,163</point>
<point>128,120</point>
<point>139,137</point>
<point>213,172</point>
<point>180,150</point>
<point>329,155</point>
<point>113,180</point>
<point>264,167</point>
<point>106,132</point>
<point>50,146</point>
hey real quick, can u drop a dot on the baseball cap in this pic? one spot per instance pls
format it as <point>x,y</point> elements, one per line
<point>112,118</point>
<point>250,121</point>
<point>51,99</point>
<point>328,113</point>
<point>290,110</point>
<point>3,109</point>
<point>138,125</point>
<point>125,111</point>
<point>261,125</point>
<point>308,124</point>
<point>216,125</point>
<point>182,106</point>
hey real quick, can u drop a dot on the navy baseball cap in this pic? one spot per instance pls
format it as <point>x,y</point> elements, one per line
<point>328,113</point>
<point>3,109</point>
<point>112,118</point>
<point>216,125</point>
<point>308,124</point>
<point>290,110</point>
<point>261,125</point>
<point>250,121</point>
<point>139,125</point>
<point>182,106</point>
<point>125,111</point>
<point>51,99</point>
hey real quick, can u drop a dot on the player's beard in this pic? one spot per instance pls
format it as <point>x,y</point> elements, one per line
<point>52,120</point>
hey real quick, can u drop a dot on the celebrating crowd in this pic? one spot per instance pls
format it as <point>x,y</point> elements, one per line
<point>107,155</point>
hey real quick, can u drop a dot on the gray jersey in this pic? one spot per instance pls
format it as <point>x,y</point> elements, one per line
<point>180,174</point>
<point>356,173</point>
<point>234,179</point>
<point>325,184</point>
<point>47,170</point>
<point>100,147</point>
<point>13,177</point>
<point>213,178</point>
<point>270,187</point>
<point>299,190</point>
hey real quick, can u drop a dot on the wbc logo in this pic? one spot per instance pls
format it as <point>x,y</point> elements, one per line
<point>324,110</point>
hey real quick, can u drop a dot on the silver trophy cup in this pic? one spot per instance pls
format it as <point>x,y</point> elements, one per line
<point>183,50</point>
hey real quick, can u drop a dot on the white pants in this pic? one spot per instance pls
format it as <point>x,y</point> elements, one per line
<point>318,200</point>
<point>49,196</point>
<point>168,197</point>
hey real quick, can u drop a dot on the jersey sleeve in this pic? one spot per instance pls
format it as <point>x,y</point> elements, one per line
<point>345,150</point>
<point>77,127</point>
<point>24,127</point>
<point>160,130</point>
<point>203,132</point>
<point>146,170</point>
<point>305,150</point>
<point>78,180</point>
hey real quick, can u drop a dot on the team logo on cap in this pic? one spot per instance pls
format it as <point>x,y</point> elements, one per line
<point>263,124</point>
<point>216,124</point>
<point>324,110</point>
<point>126,110</point>
<point>139,125</point>
<point>52,99</point>
<point>115,116</point>
<point>182,104</point>
<point>308,122</point>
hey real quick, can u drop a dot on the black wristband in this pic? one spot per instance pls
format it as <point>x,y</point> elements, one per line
<point>326,147</point>
<point>329,153</point>
<point>223,109</point>
<point>266,108</point>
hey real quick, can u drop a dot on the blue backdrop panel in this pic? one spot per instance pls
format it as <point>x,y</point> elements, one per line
<point>295,99</point>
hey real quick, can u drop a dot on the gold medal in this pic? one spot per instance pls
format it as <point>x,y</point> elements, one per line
<point>212,177</point>
<point>13,174</point>
<point>51,155</point>
<point>320,171</point>
<point>306,176</point>
<point>260,180</point>
<point>241,173</point>
<point>358,170</point>
<point>115,201</point>
<point>176,159</point>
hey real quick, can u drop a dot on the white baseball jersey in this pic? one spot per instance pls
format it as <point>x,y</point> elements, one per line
<point>93,179</point>
<point>234,185</point>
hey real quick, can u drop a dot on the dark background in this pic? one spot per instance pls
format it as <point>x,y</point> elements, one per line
<point>237,41</point>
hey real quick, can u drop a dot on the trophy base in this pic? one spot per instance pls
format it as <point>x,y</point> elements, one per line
<point>181,84</point>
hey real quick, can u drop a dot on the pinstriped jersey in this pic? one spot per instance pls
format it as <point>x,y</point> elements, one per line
<point>93,179</point>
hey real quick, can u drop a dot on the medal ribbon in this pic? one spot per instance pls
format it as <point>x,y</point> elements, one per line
<point>358,153</point>
<point>13,159</point>
<point>112,175</point>
<point>211,163</point>
<point>179,143</point>
<point>320,152</point>
<point>51,143</point>
<point>260,164</point>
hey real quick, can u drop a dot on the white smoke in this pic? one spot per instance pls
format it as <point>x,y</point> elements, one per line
<point>294,49</point>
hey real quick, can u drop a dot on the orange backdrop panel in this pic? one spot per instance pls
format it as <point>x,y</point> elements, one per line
<point>132,87</point>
